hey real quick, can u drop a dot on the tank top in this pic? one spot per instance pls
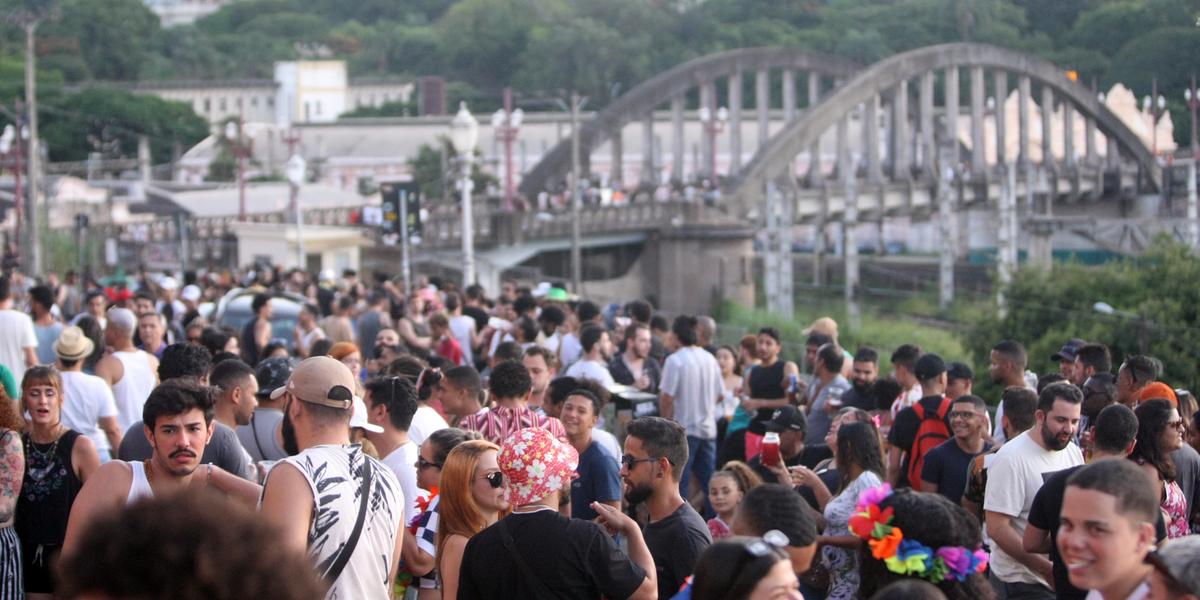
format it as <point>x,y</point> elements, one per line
<point>133,388</point>
<point>335,477</point>
<point>766,383</point>
<point>47,491</point>
<point>139,487</point>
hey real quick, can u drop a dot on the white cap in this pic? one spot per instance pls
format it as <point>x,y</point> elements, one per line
<point>358,416</point>
<point>168,283</point>
<point>191,293</point>
<point>542,289</point>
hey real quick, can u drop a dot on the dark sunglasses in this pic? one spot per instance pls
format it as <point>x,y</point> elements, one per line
<point>630,461</point>
<point>495,479</point>
<point>424,464</point>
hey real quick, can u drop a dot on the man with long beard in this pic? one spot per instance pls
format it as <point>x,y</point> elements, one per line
<point>1014,478</point>
<point>656,452</point>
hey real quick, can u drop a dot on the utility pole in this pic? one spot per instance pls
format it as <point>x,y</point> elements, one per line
<point>34,264</point>
<point>576,200</point>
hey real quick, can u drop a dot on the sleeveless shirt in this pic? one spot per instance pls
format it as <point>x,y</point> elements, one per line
<point>139,487</point>
<point>134,387</point>
<point>766,383</point>
<point>47,491</point>
<point>335,476</point>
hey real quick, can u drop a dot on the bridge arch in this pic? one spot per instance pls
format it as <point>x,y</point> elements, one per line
<point>774,158</point>
<point>672,85</point>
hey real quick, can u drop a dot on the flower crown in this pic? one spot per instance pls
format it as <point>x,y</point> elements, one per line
<point>907,556</point>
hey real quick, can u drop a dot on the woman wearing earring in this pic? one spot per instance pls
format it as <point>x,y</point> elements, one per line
<point>472,497</point>
<point>58,460</point>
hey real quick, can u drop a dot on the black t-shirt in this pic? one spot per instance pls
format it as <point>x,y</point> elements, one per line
<point>675,542</point>
<point>769,477</point>
<point>477,313</point>
<point>948,465</point>
<point>858,399</point>
<point>905,427</point>
<point>1044,514</point>
<point>572,557</point>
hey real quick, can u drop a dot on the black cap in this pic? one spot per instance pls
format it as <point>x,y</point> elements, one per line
<point>786,417</point>
<point>271,374</point>
<point>1068,351</point>
<point>929,366</point>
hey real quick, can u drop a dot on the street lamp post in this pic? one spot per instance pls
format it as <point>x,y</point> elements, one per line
<point>235,137</point>
<point>1156,105</point>
<point>506,125</point>
<point>712,128</point>
<point>464,133</point>
<point>297,168</point>
<point>1105,308</point>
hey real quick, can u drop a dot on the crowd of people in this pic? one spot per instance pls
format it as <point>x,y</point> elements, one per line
<point>441,443</point>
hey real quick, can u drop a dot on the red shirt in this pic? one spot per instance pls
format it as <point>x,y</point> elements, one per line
<point>451,350</point>
<point>498,423</point>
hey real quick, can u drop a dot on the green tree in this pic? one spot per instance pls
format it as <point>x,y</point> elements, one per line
<point>482,41</point>
<point>112,120</point>
<point>113,38</point>
<point>1046,308</point>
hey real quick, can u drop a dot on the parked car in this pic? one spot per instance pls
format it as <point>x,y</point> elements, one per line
<point>233,310</point>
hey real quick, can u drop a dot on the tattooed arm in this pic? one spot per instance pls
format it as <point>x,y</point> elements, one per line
<point>12,472</point>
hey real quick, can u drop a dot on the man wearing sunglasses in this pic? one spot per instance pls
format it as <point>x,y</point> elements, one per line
<point>353,535</point>
<point>1107,527</point>
<point>656,451</point>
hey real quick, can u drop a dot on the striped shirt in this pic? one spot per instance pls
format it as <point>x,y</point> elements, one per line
<point>498,423</point>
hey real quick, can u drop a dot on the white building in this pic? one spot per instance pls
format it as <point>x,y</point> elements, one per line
<point>301,92</point>
<point>181,12</point>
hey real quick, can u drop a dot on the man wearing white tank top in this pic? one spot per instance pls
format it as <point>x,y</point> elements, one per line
<point>354,534</point>
<point>179,423</point>
<point>131,373</point>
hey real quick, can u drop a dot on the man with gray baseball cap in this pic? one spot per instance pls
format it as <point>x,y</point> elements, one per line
<point>358,520</point>
<point>1176,574</point>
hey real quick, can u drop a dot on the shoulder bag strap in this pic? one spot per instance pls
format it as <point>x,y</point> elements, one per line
<point>539,587</point>
<point>335,568</point>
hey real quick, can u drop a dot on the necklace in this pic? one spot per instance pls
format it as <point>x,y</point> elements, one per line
<point>41,463</point>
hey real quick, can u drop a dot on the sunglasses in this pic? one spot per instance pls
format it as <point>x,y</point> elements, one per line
<point>495,479</point>
<point>630,461</point>
<point>424,464</point>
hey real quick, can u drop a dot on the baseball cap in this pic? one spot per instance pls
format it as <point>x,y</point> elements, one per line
<point>1068,351</point>
<point>72,344</point>
<point>825,325</point>
<point>1179,560</point>
<point>786,417</point>
<point>191,293</point>
<point>929,366</point>
<point>358,418</point>
<point>320,380</point>
<point>272,374</point>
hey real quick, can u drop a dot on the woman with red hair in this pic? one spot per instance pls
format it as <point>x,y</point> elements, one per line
<point>473,496</point>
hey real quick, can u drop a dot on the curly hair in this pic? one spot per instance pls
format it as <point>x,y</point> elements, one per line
<point>742,474</point>
<point>934,521</point>
<point>1152,417</point>
<point>204,548</point>
<point>10,419</point>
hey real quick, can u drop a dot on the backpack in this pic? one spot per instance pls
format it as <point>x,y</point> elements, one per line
<point>933,431</point>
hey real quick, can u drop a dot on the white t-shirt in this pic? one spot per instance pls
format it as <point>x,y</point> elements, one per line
<point>16,334</point>
<point>998,429</point>
<point>461,327</point>
<point>693,378</point>
<point>402,461</point>
<point>87,399</point>
<point>425,421</point>
<point>588,369</point>
<point>569,349</point>
<point>1016,474</point>
<point>334,477</point>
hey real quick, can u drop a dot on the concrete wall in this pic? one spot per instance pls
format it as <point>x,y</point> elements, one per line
<point>685,268</point>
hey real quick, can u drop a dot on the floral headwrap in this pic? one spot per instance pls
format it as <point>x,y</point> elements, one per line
<point>536,464</point>
<point>907,556</point>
